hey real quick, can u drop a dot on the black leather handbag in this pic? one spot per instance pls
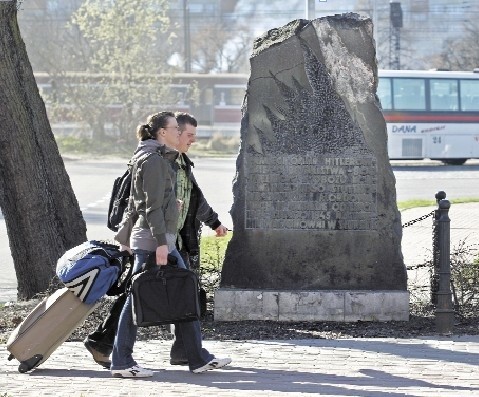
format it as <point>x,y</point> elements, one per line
<point>164,295</point>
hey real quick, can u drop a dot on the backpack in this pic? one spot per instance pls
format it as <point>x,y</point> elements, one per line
<point>119,199</point>
<point>92,269</point>
<point>120,195</point>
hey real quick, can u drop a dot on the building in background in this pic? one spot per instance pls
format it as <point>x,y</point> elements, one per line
<point>216,36</point>
<point>426,26</point>
<point>221,24</point>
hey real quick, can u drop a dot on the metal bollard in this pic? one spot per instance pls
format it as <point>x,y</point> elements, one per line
<point>435,249</point>
<point>444,307</point>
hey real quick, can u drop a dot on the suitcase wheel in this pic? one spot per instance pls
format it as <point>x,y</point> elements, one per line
<point>11,357</point>
<point>32,362</point>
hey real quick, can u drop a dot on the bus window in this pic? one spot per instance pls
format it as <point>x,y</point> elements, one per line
<point>444,94</point>
<point>229,95</point>
<point>409,94</point>
<point>384,93</point>
<point>469,95</point>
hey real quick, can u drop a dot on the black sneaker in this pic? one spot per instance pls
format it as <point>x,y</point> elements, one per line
<point>174,361</point>
<point>100,358</point>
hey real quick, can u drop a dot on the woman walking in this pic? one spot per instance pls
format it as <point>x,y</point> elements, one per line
<point>149,226</point>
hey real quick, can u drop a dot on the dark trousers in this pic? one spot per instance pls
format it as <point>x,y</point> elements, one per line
<point>192,263</point>
<point>103,337</point>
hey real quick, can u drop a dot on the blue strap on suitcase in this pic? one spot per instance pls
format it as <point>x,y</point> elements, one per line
<point>90,269</point>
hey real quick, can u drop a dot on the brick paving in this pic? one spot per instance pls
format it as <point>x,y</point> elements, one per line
<point>429,366</point>
<point>432,366</point>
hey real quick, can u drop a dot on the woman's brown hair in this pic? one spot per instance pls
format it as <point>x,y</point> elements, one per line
<point>153,124</point>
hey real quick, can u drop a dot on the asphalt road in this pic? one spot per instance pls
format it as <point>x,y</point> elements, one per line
<point>422,179</point>
<point>92,180</point>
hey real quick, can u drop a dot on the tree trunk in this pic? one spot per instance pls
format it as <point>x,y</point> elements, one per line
<point>42,216</point>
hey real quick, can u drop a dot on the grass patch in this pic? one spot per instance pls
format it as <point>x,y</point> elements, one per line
<point>74,145</point>
<point>212,254</point>
<point>416,203</point>
<point>208,242</point>
<point>213,249</point>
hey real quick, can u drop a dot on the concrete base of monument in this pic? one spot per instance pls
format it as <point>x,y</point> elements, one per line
<point>333,305</point>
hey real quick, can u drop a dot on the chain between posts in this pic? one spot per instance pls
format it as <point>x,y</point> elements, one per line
<point>421,218</point>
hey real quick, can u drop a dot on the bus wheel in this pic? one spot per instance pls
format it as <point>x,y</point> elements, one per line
<point>454,161</point>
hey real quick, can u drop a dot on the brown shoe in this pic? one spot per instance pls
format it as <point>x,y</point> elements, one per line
<point>98,357</point>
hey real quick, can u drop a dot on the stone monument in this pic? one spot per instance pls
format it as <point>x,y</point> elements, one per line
<point>317,233</point>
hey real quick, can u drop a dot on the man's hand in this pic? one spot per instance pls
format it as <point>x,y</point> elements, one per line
<point>162,255</point>
<point>221,231</point>
<point>179,204</point>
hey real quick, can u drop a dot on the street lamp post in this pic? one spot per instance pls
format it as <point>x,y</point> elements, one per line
<point>310,9</point>
<point>186,20</point>
<point>395,39</point>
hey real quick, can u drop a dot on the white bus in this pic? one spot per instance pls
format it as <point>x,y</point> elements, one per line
<point>431,114</point>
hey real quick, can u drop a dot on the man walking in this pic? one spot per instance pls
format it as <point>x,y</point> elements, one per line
<point>194,211</point>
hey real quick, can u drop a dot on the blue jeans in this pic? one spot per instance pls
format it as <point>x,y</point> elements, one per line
<point>190,333</point>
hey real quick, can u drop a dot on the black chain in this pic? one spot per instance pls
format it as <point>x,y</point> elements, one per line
<point>421,218</point>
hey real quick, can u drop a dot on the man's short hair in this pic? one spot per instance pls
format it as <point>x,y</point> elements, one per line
<point>185,118</point>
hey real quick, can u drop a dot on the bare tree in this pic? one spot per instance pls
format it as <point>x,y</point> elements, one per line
<point>461,53</point>
<point>114,71</point>
<point>216,48</point>
<point>48,38</point>
<point>42,215</point>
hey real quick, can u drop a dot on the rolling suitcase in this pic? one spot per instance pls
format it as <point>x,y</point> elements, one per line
<point>47,326</point>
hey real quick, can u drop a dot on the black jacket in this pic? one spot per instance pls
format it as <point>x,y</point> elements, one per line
<point>198,211</point>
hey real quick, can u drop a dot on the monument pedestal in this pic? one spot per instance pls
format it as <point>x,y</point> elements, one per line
<point>232,304</point>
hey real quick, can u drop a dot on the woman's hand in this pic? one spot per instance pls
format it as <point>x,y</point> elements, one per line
<point>125,248</point>
<point>162,255</point>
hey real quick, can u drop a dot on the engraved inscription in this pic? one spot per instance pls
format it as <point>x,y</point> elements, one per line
<point>308,166</point>
<point>310,192</point>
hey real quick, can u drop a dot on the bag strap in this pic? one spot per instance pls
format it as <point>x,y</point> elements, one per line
<point>150,265</point>
<point>123,282</point>
<point>107,248</point>
<point>151,261</point>
<point>120,254</point>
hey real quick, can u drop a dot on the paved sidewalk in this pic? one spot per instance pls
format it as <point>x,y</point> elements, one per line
<point>433,366</point>
<point>430,366</point>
